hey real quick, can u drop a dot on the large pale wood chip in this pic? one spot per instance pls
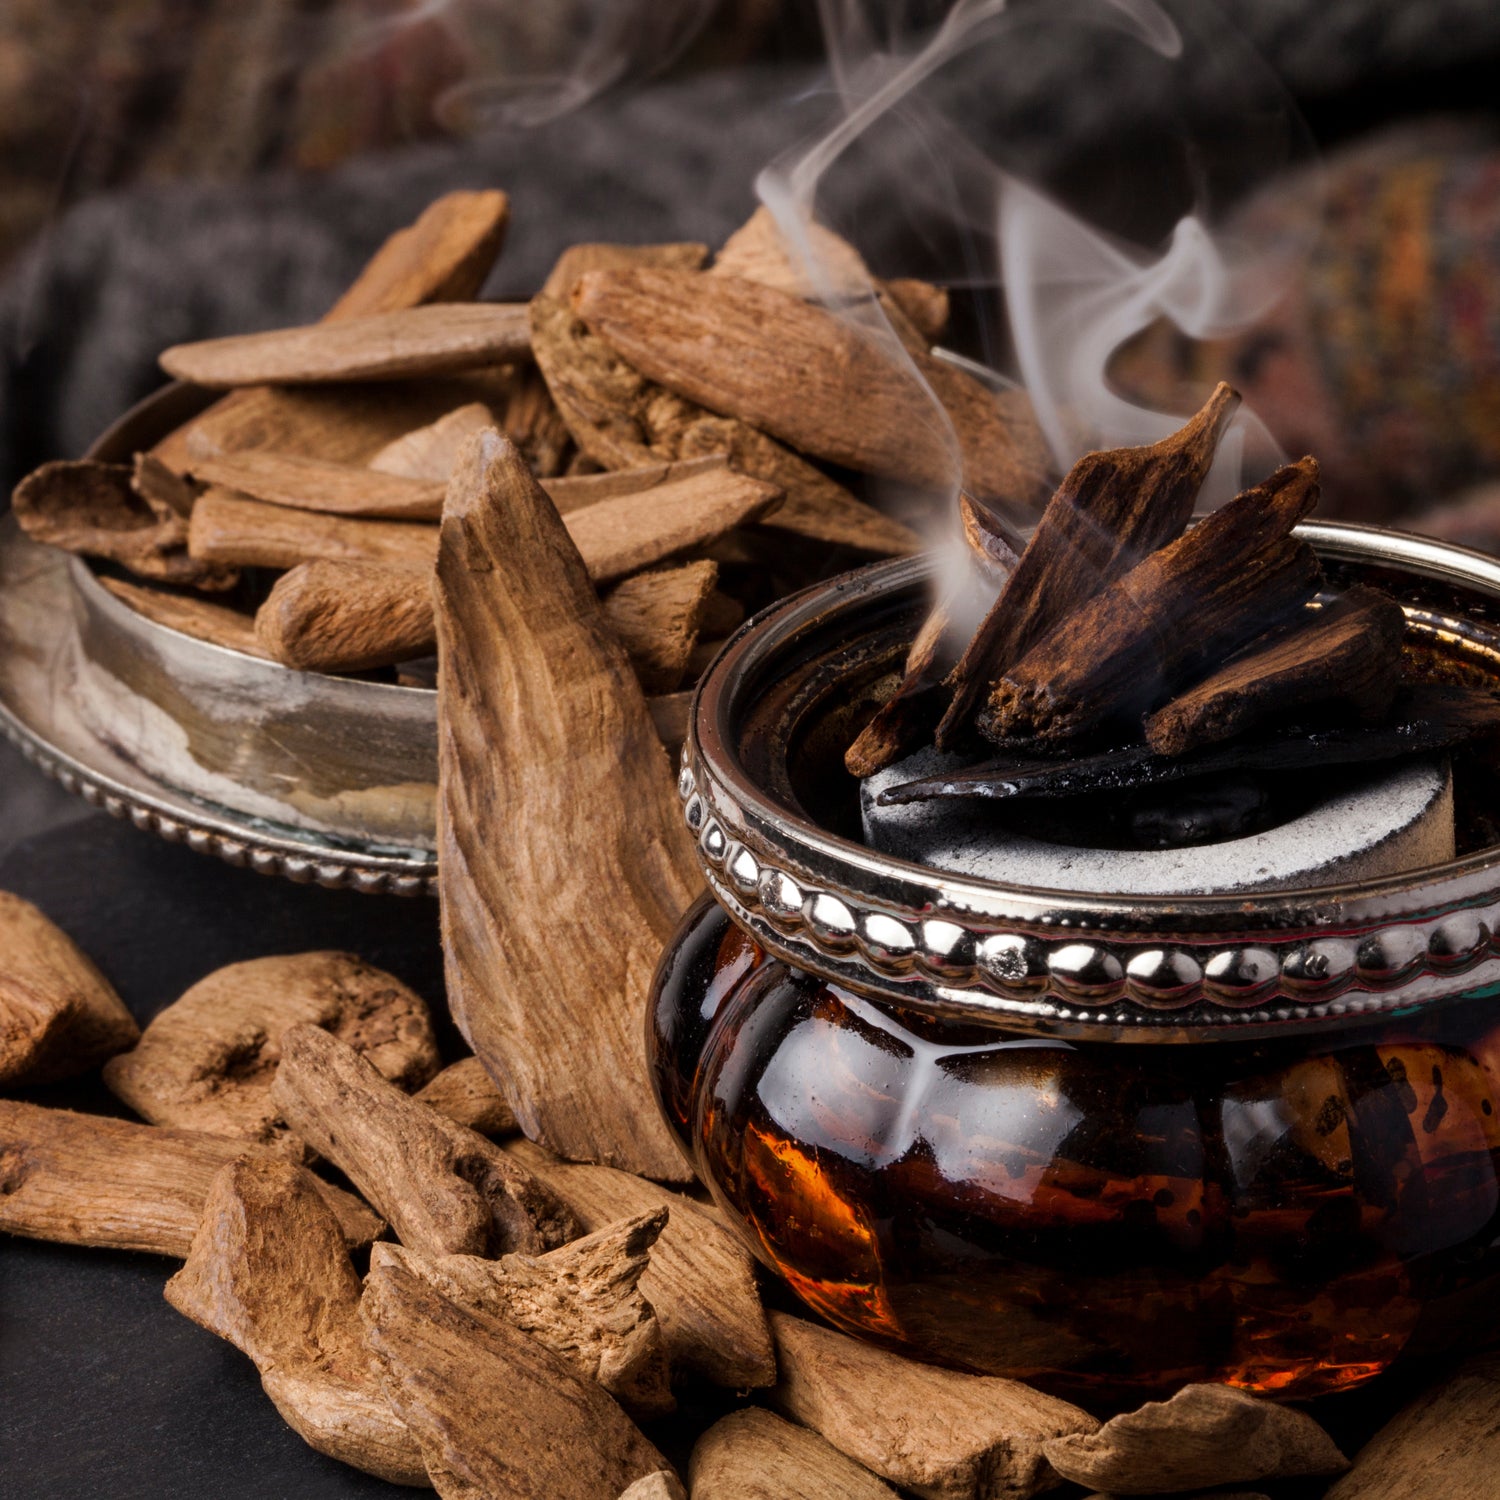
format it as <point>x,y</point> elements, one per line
<point>754,1455</point>
<point>729,345</point>
<point>328,616</point>
<point>496,1412</point>
<point>208,1060</point>
<point>941,1434</point>
<point>446,1190</point>
<point>269,1272</point>
<point>90,1180</point>
<point>59,1016</point>
<point>701,1279</point>
<point>339,423</point>
<point>623,421</point>
<point>1445,1444</point>
<point>583,1301</point>
<point>443,338</point>
<point>92,508</point>
<point>468,1095</point>
<point>443,257</point>
<point>315,484</point>
<point>204,621</point>
<point>428,452</point>
<point>254,534</point>
<point>663,1485</point>
<point>528,662</point>
<point>1205,1435</point>
<point>576,259</point>
<point>657,617</point>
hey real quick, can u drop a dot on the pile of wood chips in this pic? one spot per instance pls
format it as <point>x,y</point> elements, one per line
<point>545,1280</point>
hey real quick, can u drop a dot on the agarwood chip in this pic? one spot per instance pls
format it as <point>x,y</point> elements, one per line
<point>442,338</point>
<point>167,492</point>
<point>268,1271</point>
<point>208,1060</point>
<point>444,256</point>
<point>91,508</point>
<point>59,1016</point>
<point>623,421</point>
<point>496,1412</point>
<point>214,623</point>
<point>428,452</point>
<point>531,420</point>
<point>663,1485</point>
<point>728,344</point>
<point>925,305</point>
<point>90,1180</point>
<point>576,259</point>
<point>754,1455</point>
<point>669,715</point>
<point>528,662</point>
<point>583,1301</point>
<point>315,484</point>
<point>657,616</point>
<point>700,1280</point>
<point>938,1433</point>
<point>466,1094</point>
<point>327,616</point>
<point>1205,1435</point>
<point>227,527</point>
<point>570,493</point>
<point>446,1190</point>
<point>1445,1443</point>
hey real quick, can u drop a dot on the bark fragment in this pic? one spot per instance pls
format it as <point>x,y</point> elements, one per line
<point>700,1280</point>
<point>445,1190</point>
<point>583,1301</point>
<point>495,1411</point>
<point>1205,1435</point>
<point>268,1271</point>
<point>90,1180</point>
<point>441,338</point>
<point>940,1434</point>
<point>528,662</point>
<point>59,1016</point>
<point>754,1455</point>
<point>208,1060</point>
<point>467,1095</point>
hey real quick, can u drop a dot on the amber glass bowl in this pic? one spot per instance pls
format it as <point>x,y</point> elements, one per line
<point>1105,1145</point>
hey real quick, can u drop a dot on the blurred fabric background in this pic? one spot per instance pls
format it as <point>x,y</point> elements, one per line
<point>177,169</point>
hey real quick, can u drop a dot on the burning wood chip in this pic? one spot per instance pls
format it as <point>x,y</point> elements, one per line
<point>1205,1435</point>
<point>495,1411</point>
<point>442,338</point>
<point>657,616</point>
<point>89,1180</point>
<point>59,1016</point>
<point>1447,1442</point>
<point>1186,606</point>
<point>315,484</point>
<point>208,1060</point>
<point>92,508</point>
<point>663,1485</point>
<point>727,344</point>
<point>910,714</point>
<point>446,1190</point>
<point>754,1455</point>
<point>1113,508</point>
<point>700,1279</point>
<point>428,452</point>
<point>466,1094</point>
<point>582,1301</point>
<point>623,421</point>
<point>529,663</point>
<point>268,1271</point>
<point>1347,653</point>
<point>199,618</point>
<point>327,616</point>
<point>227,527</point>
<point>940,1434</point>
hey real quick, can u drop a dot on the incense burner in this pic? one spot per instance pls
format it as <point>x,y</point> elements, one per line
<point>1105,1144</point>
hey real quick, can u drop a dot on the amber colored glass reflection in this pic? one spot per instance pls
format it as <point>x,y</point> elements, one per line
<point>1099,1219</point>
